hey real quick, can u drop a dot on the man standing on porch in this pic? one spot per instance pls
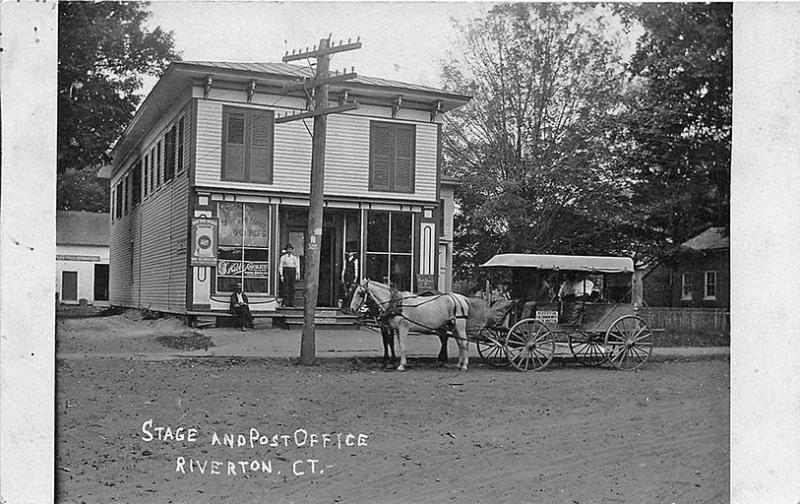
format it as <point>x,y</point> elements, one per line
<point>287,269</point>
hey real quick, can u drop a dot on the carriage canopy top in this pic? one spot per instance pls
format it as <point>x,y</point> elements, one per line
<point>591,264</point>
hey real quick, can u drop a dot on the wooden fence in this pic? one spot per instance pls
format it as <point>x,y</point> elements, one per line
<point>688,319</point>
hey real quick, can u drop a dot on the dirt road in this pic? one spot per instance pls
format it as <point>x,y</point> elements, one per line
<point>570,434</point>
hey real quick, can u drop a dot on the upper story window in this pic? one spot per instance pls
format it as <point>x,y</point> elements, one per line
<point>710,288</point>
<point>126,184</point>
<point>158,164</point>
<point>686,285</point>
<point>136,183</point>
<point>169,153</point>
<point>392,152</point>
<point>247,144</point>
<point>180,145</point>
<point>153,170</point>
<point>146,174</point>
<point>118,200</point>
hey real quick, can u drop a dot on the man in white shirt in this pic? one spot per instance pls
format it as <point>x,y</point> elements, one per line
<point>574,292</point>
<point>578,287</point>
<point>288,268</point>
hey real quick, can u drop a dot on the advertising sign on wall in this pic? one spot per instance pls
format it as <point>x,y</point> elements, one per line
<point>236,268</point>
<point>204,242</point>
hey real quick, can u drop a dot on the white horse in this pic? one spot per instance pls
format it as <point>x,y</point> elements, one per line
<point>405,311</point>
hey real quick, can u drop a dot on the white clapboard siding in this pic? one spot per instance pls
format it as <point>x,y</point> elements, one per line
<point>158,229</point>
<point>346,159</point>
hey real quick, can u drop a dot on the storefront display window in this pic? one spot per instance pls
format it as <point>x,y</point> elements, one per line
<point>243,254</point>
<point>389,246</point>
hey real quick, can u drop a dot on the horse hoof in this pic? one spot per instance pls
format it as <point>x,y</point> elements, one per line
<point>401,368</point>
<point>463,368</point>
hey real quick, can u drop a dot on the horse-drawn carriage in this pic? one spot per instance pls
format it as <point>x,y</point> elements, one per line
<point>607,329</point>
<point>526,335</point>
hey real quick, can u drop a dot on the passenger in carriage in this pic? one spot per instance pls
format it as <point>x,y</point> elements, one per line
<point>539,292</point>
<point>573,293</point>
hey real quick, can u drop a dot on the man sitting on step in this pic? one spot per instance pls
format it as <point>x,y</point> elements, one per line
<point>241,308</point>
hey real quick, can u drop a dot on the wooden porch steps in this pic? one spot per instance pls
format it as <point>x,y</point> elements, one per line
<point>325,318</point>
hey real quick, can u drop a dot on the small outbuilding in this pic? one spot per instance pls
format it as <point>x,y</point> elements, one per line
<point>82,253</point>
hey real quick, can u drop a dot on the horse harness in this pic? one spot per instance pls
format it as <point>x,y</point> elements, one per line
<point>394,308</point>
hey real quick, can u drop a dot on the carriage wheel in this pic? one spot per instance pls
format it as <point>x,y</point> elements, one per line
<point>490,347</point>
<point>588,348</point>
<point>530,345</point>
<point>629,343</point>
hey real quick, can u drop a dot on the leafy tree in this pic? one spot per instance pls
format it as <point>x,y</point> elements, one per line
<point>677,123</point>
<point>534,147</point>
<point>82,190</point>
<point>104,50</point>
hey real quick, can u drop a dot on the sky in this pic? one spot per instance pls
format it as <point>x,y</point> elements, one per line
<point>402,41</point>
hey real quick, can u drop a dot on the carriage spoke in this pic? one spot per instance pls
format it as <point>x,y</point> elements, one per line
<point>644,339</point>
<point>621,353</point>
<point>639,353</point>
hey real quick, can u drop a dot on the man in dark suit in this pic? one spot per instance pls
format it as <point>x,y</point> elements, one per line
<point>240,308</point>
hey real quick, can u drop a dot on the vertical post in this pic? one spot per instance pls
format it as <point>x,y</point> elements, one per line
<point>314,233</point>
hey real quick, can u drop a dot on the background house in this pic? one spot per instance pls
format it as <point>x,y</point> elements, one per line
<point>696,276</point>
<point>82,253</point>
<point>207,186</point>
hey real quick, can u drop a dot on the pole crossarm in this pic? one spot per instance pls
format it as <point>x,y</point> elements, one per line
<point>315,113</point>
<point>288,88</point>
<point>321,52</point>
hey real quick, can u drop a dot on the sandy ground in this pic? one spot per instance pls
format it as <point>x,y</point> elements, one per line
<point>570,434</point>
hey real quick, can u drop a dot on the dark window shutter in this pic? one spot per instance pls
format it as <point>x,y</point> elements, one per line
<point>380,157</point>
<point>152,170</point>
<point>126,185</point>
<point>261,134</point>
<point>404,159</point>
<point>169,154</point>
<point>180,145</point>
<point>136,190</point>
<point>158,164</point>
<point>233,148</point>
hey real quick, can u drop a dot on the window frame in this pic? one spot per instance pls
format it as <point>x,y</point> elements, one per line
<point>389,253</point>
<point>713,285</point>
<point>393,128</point>
<point>242,248</point>
<point>686,286</point>
<point>180,164</point>
<point>136,181</point>
<point>158,164</point>
<point>169,153</point>
<point>125,190</point>
<point>247,145</point>
<point>145,177</point>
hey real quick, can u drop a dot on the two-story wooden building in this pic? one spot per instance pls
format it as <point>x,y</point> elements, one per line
<point>206,188</point>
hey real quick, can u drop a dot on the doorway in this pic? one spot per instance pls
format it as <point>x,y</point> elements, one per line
<point>327,269</point>
<point>101,282</point>
<point>69,285</point>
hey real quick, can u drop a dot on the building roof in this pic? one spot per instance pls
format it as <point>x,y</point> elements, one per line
<point>82,228</point>
<point>713,238</point>
<point>298,72</point>
<point>591,264</point>
<point>274,76</point>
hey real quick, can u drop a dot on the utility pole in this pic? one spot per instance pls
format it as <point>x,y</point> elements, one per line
<point>319,112</point>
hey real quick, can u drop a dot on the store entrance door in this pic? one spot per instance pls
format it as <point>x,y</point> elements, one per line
<point>327,274</point>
